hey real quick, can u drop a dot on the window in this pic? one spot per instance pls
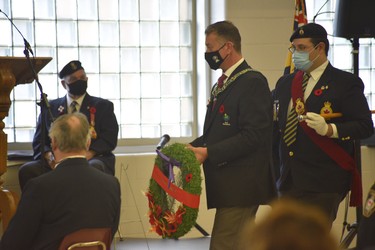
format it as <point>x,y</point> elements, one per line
<point>340,52</point>
<point>136,53</point>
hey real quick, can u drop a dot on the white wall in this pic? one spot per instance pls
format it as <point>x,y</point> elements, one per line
<point>265,28</point>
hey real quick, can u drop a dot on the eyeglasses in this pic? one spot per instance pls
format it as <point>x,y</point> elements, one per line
<point>292,49</point>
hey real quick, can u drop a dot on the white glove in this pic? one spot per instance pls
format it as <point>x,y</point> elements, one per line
<point>317,122</point>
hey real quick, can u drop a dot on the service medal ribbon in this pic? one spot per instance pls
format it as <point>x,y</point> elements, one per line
<point>93,133</point>
<point>300,106</point>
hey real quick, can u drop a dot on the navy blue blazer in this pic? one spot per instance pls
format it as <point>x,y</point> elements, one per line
<point>69,198</point>
<point>238,136</point>
<point>106,127</point>
<point>310,168</point>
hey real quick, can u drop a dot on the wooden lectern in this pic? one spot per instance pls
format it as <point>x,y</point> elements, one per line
<point>13,71</point>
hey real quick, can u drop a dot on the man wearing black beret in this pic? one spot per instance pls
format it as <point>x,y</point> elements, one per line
<point>319,111</point>
<point>99,113</point>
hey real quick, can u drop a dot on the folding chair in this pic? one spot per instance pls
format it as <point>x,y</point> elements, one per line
<point>88,239</point>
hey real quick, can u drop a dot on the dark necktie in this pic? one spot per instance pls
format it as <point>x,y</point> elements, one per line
<point>220,81</point>
<point>292,121</point>
<point>73,105</point>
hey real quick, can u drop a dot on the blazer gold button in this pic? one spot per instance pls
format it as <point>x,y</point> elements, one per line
<point>291,153</point>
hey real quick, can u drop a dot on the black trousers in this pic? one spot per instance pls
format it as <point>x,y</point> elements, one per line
<point>327,202</point>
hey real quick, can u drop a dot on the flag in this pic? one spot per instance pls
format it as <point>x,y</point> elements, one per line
<point>300,18</point>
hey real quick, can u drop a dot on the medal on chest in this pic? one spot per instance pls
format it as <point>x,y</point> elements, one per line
<point>300,106</point>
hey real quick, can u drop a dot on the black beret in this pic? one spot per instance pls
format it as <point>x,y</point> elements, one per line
<point>70,68</point>
<point>310,30</point>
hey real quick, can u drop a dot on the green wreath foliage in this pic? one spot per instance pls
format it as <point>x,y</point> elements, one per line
<point>168,217</point>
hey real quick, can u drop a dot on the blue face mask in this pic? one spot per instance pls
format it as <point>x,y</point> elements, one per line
<point>301,59</point>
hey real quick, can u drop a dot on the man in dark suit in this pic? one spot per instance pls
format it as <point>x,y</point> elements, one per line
<point>316,153</point>
<point>235,147</point>
<point>71,197</point>
<point>99,113</point>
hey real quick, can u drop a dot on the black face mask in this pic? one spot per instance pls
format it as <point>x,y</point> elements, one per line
<point>214,58</point>
<point>78,87</point>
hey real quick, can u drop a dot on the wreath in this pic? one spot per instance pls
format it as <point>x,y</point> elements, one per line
<point>174,200</point>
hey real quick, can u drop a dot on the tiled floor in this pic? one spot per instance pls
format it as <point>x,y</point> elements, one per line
<point>201,243</point>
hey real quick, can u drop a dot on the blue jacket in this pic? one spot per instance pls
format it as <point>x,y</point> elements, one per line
<point>106,127</point>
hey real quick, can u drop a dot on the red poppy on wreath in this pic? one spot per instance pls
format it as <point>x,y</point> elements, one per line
<point>188,177</point>
<point>221,110</point>
<point>318,92</point>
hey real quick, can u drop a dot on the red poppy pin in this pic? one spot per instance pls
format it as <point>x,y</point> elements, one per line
<point>221,109</point>
<point>92,110</point>
<point>318,92</point>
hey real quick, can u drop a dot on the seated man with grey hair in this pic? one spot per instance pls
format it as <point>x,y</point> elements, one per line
<point>71,197</point>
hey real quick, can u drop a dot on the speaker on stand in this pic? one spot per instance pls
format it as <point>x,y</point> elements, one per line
<point>354,19</point>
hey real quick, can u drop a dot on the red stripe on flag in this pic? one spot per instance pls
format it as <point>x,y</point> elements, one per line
<point>300,18</point>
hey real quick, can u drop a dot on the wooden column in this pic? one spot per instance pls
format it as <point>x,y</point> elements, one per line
<point>8,200</point>
<point>12,70</point>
